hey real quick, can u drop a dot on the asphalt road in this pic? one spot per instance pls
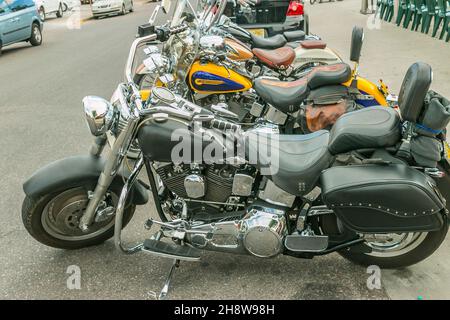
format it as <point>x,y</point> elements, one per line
<point>41,121</point>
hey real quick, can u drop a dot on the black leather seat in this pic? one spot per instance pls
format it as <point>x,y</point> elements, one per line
<point>297,35</point>
<point>295,161</point>
<point>274,42</point>
<point>374,127</point>
<point>286,96</point>
<point>329,75</point>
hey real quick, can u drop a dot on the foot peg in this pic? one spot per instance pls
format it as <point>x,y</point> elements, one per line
<point>171,250</point>
<point>304,243</point>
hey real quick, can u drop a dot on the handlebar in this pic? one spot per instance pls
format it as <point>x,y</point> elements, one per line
<point>161,34</point>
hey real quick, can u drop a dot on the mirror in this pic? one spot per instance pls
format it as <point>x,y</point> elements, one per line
<point>166,4</point>
<point>356,45</point>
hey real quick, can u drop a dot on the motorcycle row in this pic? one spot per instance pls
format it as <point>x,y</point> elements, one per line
<point>258,146</point>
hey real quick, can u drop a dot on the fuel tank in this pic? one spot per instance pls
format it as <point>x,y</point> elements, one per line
<point>238,50</point>
<point>207,78</point>
<point>174,140</point>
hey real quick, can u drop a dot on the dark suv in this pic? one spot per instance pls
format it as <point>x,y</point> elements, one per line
<point>269,17</point>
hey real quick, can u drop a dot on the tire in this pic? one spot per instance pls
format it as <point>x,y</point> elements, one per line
<point>430,243</point>
<point>132,7</point>
<point>35,217</point>
<point>122,13</point>
<point>36,35</point>
<point>42,13</point>
<point>60,11</point>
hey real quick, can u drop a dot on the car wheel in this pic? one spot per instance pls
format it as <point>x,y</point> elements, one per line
<point>36,35</point>
<point>42,13</point>
<point>123,10</point>
<point>60,11</point>
<point>131,8</point>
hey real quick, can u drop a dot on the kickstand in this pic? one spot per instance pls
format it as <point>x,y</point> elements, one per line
<point>165,289</point>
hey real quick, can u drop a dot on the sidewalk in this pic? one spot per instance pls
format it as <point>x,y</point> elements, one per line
<point>387,53</point>
<point>388,50</point>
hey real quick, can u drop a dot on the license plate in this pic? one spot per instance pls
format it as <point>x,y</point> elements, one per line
<point>447,151</point>
<point>258,32</point>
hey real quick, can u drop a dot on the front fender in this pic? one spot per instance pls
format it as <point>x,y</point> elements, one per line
<point>61,174</point>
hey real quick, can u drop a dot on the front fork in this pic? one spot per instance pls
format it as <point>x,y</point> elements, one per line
<point>110,169</point>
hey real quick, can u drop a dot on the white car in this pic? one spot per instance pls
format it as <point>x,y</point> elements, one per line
<point>109,7</point>
<point>47,7</point>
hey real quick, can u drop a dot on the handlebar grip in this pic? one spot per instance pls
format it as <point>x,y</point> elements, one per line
<point>164,33</point>
<point>224,125</point>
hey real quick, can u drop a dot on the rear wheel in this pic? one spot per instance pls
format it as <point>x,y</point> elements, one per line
<point>398,250</point>
<point>36,35</point>
<point>54,218</point>
<point>42,13</point>
<point>132,7</point>
<point>123,10</point>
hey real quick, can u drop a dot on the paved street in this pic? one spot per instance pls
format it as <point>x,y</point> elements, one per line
<point>41,120</point>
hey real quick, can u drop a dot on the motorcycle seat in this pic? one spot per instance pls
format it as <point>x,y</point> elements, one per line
<point>313,44</point>
<point>374,127</point>
<point>274,42</point>
<point>295,161</point>
<point>328,75</point>
<point>280,58</point>
<point>287,96</point>
<point>297,35</point>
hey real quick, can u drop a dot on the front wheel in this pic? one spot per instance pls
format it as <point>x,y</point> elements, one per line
<point>36,35</point>
<point>54,218</point>
<point>398,250</point>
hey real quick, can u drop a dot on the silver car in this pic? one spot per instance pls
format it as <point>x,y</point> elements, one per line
<point>111,7</point>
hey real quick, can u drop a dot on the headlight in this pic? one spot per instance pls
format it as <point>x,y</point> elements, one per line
<point>99,114</point>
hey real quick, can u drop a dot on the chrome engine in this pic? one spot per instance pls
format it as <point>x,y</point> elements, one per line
<point>263,230</point>
<point>260,232</point>
<point>214,190</point>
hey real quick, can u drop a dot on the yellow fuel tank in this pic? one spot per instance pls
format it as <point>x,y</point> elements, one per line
<point>209,78</point>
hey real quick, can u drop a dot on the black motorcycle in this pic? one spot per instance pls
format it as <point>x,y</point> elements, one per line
<point>367,189</point>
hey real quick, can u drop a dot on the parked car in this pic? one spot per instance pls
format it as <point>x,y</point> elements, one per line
<point>269,17</point>
<point>19,21</point>
<point>48,7</point>
<point>69,4</point>
<point>111,7</point>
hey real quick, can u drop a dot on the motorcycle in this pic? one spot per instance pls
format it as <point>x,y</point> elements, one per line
<point>198,66</point>
<point>364,189</point>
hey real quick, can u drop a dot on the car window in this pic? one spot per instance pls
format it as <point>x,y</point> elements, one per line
<point>4,7</point>
<point>17,5</point>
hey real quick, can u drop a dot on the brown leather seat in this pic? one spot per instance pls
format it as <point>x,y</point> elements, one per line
<point>280,58</point>
<point>313,44</point>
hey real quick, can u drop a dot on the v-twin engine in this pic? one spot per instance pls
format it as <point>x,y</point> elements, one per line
<point>260,232</point>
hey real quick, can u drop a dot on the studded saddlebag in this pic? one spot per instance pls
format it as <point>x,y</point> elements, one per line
<point>382,198</point>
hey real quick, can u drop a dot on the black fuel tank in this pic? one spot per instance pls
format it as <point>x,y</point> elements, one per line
<point>173,140</point>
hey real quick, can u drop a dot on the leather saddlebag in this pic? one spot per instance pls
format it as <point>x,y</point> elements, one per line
<point>383,198</point>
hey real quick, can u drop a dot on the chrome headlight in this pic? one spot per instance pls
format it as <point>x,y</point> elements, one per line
<point>99,114</point>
